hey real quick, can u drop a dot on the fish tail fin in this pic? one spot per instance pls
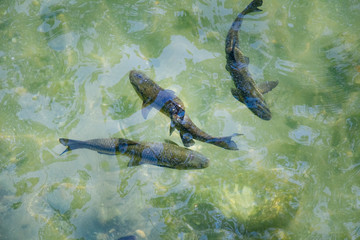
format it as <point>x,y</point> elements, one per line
<point>225,142</point>
<point>253,7</point>
<point>70,144</point>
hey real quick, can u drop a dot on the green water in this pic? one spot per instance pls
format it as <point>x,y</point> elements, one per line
<point>64,73</point>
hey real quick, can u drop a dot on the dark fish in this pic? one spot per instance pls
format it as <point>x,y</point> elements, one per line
<point>159,154</point>
<point>154,96</point>
<point>246,90</point>
<point>130,237</point>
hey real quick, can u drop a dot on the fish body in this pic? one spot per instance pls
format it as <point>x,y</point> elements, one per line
<point>168,103</point>
<point>246,91</point>
<point>158,154</point>
<point>130,237</point>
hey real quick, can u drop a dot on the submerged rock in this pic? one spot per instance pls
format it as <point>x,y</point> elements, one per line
<point>256,200</point>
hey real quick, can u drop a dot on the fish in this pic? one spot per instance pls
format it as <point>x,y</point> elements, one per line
<point>158,154</point>
<point>168,103</point>
<point>130,237</point>
<point>246,91</point>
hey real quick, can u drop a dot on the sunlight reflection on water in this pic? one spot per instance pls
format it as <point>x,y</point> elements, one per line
<point>64,73</point>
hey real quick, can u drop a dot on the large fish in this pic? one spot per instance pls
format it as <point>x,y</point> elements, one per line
<point>159,154</point>
<point>164,100</point>
<point>246,90</point>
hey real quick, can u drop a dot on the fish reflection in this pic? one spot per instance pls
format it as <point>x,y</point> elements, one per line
<point>246,90</point>
<point>154,96</point>
<point>158,154</point>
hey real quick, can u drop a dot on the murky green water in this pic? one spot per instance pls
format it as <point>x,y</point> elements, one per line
<point>64,73</point>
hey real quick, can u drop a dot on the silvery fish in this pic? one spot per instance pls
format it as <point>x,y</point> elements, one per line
<point>165,101</point>
<point>159,154</point>
<point>246,90</point>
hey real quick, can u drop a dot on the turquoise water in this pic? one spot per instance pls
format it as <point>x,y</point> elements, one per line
<point>64,73</point>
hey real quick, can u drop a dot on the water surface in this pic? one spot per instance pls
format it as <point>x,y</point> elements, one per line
<point>64,73</point>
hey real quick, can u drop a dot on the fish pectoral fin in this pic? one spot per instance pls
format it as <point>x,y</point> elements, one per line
<point>146,108</point>
<point>170,142</point>
<point>134,161</point>
<point>266,87</point>
<point>172,127</point>
<point>187,139</point>
<point>237,95</point>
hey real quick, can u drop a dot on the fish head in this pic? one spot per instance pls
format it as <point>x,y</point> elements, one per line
<point>137,77</point>
<point>259,107</point>
<point>140,82</point>
<point>194,160</point>
<point>203,162</point>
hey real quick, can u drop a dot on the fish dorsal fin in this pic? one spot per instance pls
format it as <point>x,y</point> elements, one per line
<point>237,95</point>
<point>267,86</point>
<point>172,127</point>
